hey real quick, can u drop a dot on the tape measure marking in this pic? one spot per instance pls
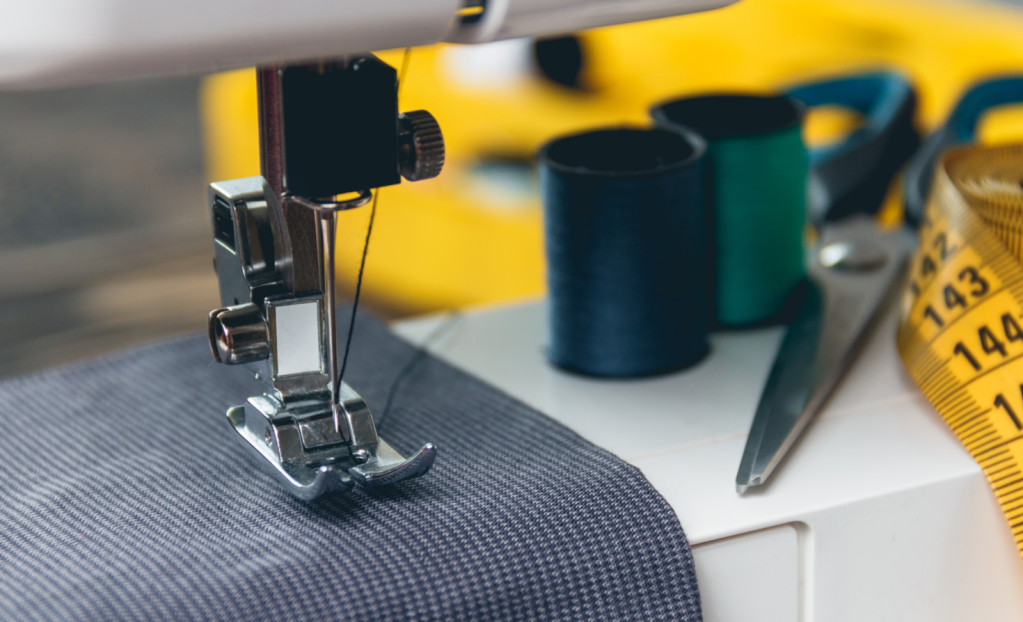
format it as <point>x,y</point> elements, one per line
<point>961,338</point>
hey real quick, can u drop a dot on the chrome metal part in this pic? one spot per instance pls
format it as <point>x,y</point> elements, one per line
<point>294,227</point>
<point>326,212</point>
<point>305,453</point>
<point>243,247</point>
<point>328,231</point>
<point>305,482</point>
<point>361,428</point>
<point>296,364</point>
<point>274,256</point>
<point>314,433</point>
<point>331,206</point>
<point>855,271</point>
<point>238,334</point>
<point>388,466</point>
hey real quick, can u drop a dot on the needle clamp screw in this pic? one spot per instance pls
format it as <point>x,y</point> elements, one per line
<point>420,145</point>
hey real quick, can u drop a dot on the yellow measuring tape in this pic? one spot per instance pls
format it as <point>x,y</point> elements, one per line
<point>961,332</point>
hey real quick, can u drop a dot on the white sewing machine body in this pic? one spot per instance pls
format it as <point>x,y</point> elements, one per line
<point>63,42</point>
<point>877,514</point>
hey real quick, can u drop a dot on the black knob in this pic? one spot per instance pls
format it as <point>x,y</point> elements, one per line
<point>421,145</point>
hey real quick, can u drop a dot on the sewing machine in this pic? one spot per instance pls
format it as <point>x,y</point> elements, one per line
<point>879,515</point>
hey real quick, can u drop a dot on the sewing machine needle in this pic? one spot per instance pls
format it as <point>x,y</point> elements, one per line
<point>328,229</point>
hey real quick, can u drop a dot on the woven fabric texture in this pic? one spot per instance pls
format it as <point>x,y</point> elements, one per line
<point>126,497</point>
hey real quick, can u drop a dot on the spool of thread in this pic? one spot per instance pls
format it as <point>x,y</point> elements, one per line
<point>758,171</point>
<point>625,222</point>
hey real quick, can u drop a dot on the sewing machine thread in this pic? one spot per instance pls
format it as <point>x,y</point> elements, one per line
<point>627,270</point>
<point>758,171</point>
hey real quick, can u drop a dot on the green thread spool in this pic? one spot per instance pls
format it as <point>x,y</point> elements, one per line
<point>758,171</point>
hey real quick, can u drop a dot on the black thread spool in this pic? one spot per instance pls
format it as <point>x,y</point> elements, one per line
<point>627,265</point>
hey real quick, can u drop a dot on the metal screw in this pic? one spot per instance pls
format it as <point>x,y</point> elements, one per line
<point>360,455</point>
<point>238,334</point>
<point>268,437</point>
<point>853,256</point>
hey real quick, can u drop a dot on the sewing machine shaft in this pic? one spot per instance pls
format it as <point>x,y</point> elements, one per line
<point>328,130</point>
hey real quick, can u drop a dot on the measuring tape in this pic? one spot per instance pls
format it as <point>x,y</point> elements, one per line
<point>961,330</point>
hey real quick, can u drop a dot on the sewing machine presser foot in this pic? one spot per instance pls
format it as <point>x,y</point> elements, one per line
<point>274,254</point>
<point>310,457</point>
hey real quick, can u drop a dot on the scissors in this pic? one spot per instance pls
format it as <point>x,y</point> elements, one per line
<point>854,270</point>
<point>856,266</point>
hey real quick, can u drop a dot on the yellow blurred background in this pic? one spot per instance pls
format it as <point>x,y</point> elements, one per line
<point>474,235</point>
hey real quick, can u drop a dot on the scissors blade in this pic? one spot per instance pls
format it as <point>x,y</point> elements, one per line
<point>854,271</point>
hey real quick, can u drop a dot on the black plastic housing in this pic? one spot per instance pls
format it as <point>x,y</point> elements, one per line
<point>340,127</point>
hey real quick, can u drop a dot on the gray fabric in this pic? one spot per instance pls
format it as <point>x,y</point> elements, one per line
<point>125,497</point>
